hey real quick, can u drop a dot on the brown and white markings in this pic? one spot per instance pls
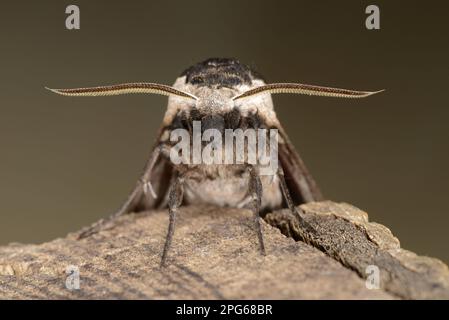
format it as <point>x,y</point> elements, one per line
<point>219,94</point>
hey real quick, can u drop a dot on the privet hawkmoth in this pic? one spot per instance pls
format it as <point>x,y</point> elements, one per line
<point>221,95</point>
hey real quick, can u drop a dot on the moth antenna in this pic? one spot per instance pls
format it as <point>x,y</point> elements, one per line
<point>125,88</point>
<point>299,88</point>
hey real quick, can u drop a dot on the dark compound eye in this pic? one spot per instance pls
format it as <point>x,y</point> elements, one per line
<point>197,80</point>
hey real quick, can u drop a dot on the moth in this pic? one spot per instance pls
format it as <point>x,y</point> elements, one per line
<point>219,94</point>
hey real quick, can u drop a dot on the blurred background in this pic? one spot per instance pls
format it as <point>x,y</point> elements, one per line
<point>66,162</point>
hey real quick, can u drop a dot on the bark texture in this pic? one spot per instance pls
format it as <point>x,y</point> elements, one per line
<point>215,255</point>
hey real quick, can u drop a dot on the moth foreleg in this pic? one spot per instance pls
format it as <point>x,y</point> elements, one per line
<point>174,202</point>
<point>302,223</point>
<point>255,192</point>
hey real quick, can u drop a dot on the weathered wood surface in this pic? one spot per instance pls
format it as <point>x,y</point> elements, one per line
<point>215,255</point>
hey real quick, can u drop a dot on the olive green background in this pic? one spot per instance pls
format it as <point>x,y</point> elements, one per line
<point>66,162</point>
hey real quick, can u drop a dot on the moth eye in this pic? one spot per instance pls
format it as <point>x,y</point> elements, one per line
<point>197,80</point>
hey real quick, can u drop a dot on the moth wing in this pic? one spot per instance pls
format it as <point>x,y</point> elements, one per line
<point>160,175</point>
<point>159,172</point>
<point>300,182</point>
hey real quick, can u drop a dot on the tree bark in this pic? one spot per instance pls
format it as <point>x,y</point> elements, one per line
<point>215,255</point>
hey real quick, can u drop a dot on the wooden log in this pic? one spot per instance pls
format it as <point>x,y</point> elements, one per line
<point>215,255</point>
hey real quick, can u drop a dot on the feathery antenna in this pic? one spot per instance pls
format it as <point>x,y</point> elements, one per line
<point>298,88</point>
<point>125,88</point>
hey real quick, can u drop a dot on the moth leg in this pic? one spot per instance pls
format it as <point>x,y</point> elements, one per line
<point>255,192</point>
<point>143,185</point>
<point>174,202</point>
<point>302,223</point>
<point>244,202</point>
